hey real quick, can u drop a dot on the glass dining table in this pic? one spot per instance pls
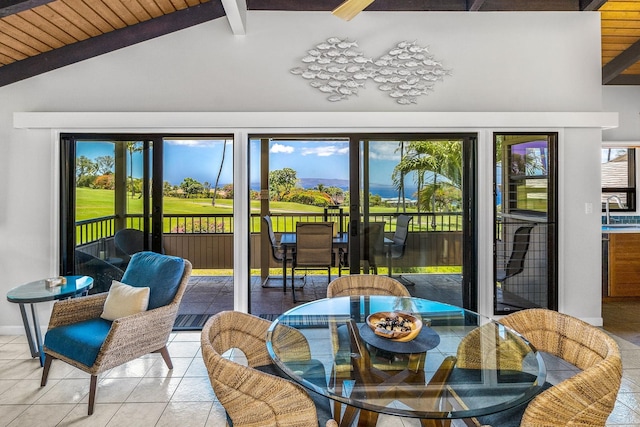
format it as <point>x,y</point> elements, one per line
<point>460,365</point>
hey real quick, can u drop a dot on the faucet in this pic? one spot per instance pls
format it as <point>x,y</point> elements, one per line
<point>606,206</point>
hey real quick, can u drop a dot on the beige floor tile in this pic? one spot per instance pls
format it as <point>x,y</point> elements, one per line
<point>65,391</point>
<point>217,416</point>
<point>154,390</point>
<point>114,390</point>
<point>185,414</point>
<point>19,369</point>
<point>9,412</point>
<point>184,349</point>
<point>41,416</point>
<point>137,414</point>
<point>24,391</point>
<point>196,389</point>
<point>15,350</point>
<point>135,368</point>
<point>160,369</point>
<point>103,412</point>
<point>197,368</point>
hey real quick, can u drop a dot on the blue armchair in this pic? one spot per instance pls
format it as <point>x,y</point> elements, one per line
<point>79,336</point>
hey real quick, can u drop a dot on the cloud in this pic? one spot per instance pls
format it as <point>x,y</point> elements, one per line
<point>325,151</point>
<point>384,151</point>
<point>280,148</point>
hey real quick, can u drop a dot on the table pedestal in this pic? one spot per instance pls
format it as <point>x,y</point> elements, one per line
<point>35,342</point>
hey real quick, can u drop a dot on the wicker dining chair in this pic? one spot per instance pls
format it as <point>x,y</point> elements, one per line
<point>366,284</point>
<point>356,284</point>
<point>254,395</point>
<point>79,336</point>
<point>585,399</point>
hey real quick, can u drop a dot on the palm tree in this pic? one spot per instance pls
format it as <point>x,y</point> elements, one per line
<point>132,147</point>
<point>442,159</point>
<point>215,188</point>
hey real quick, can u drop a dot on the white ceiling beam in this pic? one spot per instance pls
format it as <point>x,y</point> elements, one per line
<point>236,11</point>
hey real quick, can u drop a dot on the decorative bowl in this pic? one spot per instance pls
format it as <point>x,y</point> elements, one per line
<point>395,325</point>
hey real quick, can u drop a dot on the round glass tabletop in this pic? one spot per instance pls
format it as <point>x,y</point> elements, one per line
<point>38,291</point>
<point>468,365</point>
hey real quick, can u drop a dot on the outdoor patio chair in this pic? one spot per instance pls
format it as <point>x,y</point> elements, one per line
<point>519,249</point>
<point>397,248</point>
<point>276,251</point>
<point>585,399</point>
<point>371,248</point>
<point>102,331</point>
<point>255,394</point>
<point>128,241</point>
<point>314,249</point>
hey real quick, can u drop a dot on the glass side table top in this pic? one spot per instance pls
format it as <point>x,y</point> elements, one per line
<point>469,366</point>
<point>38,291</point>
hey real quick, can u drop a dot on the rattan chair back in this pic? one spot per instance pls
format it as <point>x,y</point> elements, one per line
<point>253,398</point>
<point>586,398</point>
<point>366,284</point>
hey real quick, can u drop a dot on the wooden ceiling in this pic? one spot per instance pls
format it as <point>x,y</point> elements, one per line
<point>37,36</point>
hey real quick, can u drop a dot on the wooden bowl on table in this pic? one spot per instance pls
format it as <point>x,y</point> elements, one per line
<point>395,325</point>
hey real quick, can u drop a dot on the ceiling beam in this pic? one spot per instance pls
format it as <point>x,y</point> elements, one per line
<point>474,5</point>
<point>626,80</point>
<point>591,5</point>
<point>11,7</point>
<point>109,42</point>
<point>617,65</point>
<point>236,11</point>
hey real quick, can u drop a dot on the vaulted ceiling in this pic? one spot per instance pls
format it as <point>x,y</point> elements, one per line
<point>37,36</point>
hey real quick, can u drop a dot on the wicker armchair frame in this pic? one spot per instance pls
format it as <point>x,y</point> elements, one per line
<point>250,397</point>
<point>586,398</point>
<point>366,284</point>
<point>129,337</point>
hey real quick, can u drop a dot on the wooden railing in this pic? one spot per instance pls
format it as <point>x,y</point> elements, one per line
<point>207,239</point>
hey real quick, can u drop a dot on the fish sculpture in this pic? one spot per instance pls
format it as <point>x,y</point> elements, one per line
<point>337,67</point>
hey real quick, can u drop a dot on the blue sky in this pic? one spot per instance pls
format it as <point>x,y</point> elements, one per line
<point>200,159</point>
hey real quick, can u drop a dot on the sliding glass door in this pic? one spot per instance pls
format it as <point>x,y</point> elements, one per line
<point>110,207</point>
<point>525,248</point>
<point>406,203</point>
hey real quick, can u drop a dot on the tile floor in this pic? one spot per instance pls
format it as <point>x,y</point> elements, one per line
<point>145,393</point>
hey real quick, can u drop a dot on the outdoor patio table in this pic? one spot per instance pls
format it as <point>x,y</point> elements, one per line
<point>427,378</point>
<point>35,292</point>
<point>288,243</point>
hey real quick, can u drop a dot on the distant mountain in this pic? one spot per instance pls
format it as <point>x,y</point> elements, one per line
<point>327,182</point>
<point>383,190</point>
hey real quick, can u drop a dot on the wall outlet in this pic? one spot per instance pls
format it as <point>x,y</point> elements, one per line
<point>588,208</point>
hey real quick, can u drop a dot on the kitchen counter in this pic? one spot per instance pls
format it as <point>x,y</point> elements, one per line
<point>622,245</point>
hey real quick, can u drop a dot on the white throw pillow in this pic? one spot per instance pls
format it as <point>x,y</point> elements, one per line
<point>124,300</point>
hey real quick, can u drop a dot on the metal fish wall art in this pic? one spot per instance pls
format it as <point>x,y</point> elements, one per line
<point>337,68</point>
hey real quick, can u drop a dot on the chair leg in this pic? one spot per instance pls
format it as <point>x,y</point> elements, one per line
<point>45,370</point>
<point>293,288</point>
<point>92,393</point>
<point>165,355</point>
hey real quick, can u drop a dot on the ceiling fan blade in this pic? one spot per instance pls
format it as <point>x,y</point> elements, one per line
<point>351,8</point>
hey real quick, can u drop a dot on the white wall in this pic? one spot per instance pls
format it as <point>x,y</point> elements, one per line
<point>500,62</point>
<point>626,101</point>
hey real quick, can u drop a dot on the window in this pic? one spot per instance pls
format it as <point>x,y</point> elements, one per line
<point>619,178</point>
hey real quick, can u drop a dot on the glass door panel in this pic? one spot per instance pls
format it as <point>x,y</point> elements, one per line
<point>197,221</point>
<point>413,188</point>
<point>106,205</point>
<point>525,226</point>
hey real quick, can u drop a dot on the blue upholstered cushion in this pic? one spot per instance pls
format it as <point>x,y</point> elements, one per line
<point>79,341</point>
<point>161,273</point>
